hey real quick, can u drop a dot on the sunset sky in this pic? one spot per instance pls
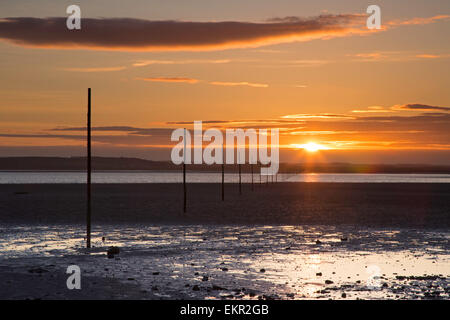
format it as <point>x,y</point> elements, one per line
<point>310,68</point>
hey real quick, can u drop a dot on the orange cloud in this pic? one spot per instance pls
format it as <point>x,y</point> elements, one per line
<point>233,84</point>
<point>373,109</point>
<point>370,56</point>
<point>419,21</point>
<point>174,80</point>
<point>143,63</point>
<point>432,56</point>
<point>394,56</point>
<point>317,116</point>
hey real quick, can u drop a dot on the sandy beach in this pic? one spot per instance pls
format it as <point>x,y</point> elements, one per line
<point>370,205</point>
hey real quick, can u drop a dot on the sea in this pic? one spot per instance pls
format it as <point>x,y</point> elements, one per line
<point>25,177</point>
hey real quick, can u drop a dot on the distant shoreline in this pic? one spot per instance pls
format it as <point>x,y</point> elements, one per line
<point>99,164</point>
<point>204,171</point>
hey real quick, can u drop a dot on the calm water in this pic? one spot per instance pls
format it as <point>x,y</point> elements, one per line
<point>17,177</point>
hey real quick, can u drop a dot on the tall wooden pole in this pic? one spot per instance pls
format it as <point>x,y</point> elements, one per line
<point>240,181</point>
<point>251,167</point>
<point>260,179</point>
<point>223,173</point>
<point>88,213</point>
<point>184,173</point>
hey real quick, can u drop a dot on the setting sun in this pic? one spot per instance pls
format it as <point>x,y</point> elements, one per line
<point>312,147</point>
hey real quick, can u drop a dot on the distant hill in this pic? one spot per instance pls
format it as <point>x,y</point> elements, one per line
<point>104,163</point>
<point>79,163</point>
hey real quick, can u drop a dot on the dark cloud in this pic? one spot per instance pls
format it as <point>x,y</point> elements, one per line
<point>420,107</point>
<point>128,129</point>
<point>128,139</point>
<point>54,136</point>
<point>428,116</point>
<point>138,34</point>
<point>112,128</point>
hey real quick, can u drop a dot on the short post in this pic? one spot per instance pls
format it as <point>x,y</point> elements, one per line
<point>89,168</point>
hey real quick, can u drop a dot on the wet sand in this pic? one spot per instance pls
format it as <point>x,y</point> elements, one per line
<point>374,205</point>
<point>226,262</point>
<point>281,241</point>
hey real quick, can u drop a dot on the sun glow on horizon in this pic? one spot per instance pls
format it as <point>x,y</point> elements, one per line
<point>311,147</point>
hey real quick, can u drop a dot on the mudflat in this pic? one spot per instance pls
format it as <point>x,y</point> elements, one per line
<point>407,205</point>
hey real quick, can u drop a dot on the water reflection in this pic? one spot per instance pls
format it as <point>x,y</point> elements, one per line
<point>18,177</point>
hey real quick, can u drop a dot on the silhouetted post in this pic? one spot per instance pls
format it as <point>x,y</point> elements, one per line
<point>223,173</point>
<point>88,213</point>
<point>240,181</point>
<point>184,173</point>
<point>251,167</point>
<point>260,179</point>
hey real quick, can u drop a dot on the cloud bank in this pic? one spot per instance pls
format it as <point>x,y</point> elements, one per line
<point>144,35</point>
<point>128,34</point>
<point>399,131</point>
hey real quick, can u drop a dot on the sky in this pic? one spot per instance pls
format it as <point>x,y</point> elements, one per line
<point>310,68</point>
